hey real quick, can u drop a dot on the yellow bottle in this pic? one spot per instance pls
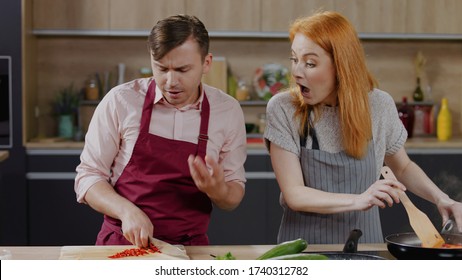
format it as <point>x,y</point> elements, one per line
<point>444,122</point>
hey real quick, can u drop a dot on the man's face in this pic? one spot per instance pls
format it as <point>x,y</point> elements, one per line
<point>178,74</point>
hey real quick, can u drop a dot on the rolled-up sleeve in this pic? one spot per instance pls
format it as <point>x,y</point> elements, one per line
<point>234,152</point>
<point>101,147</point>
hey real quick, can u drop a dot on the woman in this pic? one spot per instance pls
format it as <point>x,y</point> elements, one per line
<point>329,136</point>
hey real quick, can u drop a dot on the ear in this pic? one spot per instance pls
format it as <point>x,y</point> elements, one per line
<point>207,63</point>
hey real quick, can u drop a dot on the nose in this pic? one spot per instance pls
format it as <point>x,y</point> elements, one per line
<point>172,79</point>
<point>296,70</point>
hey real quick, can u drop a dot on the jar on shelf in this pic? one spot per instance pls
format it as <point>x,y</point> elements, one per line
<point>91,90</point>
<point>406,115</point>
<point>242,91</point>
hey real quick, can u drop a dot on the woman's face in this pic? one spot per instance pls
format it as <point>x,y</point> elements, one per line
<point>179,73</point>
<point>313,71</point>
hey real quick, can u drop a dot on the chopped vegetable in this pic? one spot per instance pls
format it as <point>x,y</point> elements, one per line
<point>227,256</point>
<point>135,252</point>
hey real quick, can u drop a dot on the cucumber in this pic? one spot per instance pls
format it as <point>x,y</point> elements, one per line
<point>285,248</point>
<point>301,256</point>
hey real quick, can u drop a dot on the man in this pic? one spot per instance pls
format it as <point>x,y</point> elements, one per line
<point>159,151</point>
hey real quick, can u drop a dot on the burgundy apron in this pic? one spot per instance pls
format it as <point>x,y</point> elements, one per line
<point>158,181</point>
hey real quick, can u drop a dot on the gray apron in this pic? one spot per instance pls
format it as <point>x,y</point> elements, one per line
<point>335,173</point>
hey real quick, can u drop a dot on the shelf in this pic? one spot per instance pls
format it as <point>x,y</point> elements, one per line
<point>242,34</point>
<point>423,103</point>
<point>89,102</point>
<point>253,103</point>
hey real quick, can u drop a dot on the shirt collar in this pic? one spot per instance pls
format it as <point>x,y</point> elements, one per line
<point>196,105</point>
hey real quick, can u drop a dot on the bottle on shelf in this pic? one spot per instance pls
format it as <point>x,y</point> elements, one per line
<point>261,123</point>
<point>418,95</point>
<point>406,115</point>
<point>444,122</point>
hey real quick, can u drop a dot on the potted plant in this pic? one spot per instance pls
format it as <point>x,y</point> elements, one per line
<point>65,106</point>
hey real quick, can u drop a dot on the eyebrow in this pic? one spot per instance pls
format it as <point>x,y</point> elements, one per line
<point>307,54</point>
<point>176,68</point>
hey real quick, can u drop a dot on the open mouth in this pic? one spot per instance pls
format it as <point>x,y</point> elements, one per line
<point>304,91</point>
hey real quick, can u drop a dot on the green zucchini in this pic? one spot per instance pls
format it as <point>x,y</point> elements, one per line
<point>285,248</point>
<point>301,256</point>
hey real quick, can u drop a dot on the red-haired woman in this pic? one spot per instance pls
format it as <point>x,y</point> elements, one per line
<point>329,136</point>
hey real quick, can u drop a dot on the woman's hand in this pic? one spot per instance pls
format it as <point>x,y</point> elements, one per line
<point>450,208</point>
<point>381,193</point>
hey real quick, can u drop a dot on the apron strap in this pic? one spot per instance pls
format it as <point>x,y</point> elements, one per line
<point>204,128</point>
<point>311,133</point>
<point>147,107</point>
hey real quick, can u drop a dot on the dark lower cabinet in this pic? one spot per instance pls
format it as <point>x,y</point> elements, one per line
<point>255,221</point>
<point>55,217</point>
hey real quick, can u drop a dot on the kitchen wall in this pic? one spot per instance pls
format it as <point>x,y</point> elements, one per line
<point>391,61</point>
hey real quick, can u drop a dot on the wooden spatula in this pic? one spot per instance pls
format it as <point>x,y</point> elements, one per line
<point>420,222</point>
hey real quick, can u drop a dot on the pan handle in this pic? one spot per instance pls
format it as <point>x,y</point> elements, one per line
<point>351,245</point>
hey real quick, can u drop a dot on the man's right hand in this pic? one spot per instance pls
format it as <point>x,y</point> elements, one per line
<point>136,226</point>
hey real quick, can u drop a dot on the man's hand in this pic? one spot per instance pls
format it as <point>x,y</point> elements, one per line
<point>226,195</point>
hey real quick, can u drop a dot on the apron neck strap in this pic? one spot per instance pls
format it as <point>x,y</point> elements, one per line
<point>204,126</point>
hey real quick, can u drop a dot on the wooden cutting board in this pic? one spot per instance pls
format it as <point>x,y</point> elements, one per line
<point>176,252</point>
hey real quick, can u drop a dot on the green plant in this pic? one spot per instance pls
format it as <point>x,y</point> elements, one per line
<point>67,101</point>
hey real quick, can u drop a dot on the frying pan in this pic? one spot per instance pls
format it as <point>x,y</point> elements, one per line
<point>407,246</point>
<point>350,250</point>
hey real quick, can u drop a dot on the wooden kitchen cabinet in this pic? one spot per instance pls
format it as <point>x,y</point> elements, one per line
<point>71,14</point>
<point>142,14</point>
<point>227,15</point>
<point>277,15</point>
<point>374,16</point>
<point>434,16</point>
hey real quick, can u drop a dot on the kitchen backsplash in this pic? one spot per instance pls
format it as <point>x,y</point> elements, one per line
<point>62,60</point>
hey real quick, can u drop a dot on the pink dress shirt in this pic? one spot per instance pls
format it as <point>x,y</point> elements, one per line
<point>115,125</point>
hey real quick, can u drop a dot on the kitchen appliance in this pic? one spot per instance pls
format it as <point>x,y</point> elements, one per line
<point>6,119</point>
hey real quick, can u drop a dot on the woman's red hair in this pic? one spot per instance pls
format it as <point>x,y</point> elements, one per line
<point>337,36</point>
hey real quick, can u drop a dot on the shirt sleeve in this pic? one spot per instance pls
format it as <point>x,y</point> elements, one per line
<point>390,127</point>
<point>281,128</point>
<point>101,146</point>
<point>234,151</point>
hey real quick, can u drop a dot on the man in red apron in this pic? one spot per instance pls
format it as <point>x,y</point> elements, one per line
<point>166,186</point>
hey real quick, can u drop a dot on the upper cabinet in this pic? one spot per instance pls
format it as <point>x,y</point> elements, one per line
<point>70,14</point>
<point>142,14</point>
<point>375,16</point>
<point>434,16</point>
<point>440,17</point>
<point>227,15</point>
<point>276,15</point>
